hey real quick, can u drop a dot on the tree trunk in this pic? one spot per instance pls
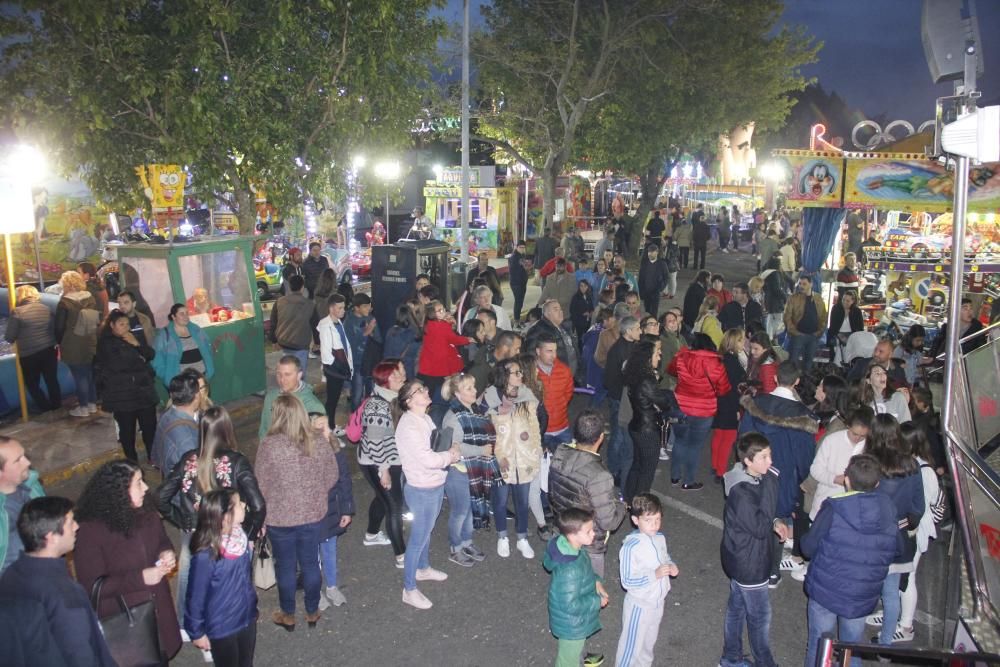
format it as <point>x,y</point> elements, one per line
<point>550,177</point>
<point>246,212</point>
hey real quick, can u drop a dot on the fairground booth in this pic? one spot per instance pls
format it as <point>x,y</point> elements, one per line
<point>493,216</point>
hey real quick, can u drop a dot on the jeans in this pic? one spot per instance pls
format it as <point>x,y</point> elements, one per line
<point>357,389</point>
<point>301,355</point>
<point>672,283</point>
<point>296,545</point>
<point>891,607</point>
<point>387,504</point>
<point>646,448</point>
<point>518,291</point>
<point>425,504</point>
<point>822,620</point>
<point>802,351</point>
<point>126,421</point>
<point>456,487</point>
<point>83,378</point>
<point>690,438</point>
<point>684,252</point>
<point>620,452</point>
<point>183,568</point>
<point>773,323</point>
<point>42,364</point>
<point>237,649</point>
<point>500,494</point>
<point>328,559</point>
<point>753,606</point>
<point>699,257</point>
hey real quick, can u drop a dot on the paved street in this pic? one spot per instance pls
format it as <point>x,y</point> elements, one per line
<point>495,612</point>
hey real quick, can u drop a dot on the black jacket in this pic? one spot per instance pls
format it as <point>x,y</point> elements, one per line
<point>775,292</point>
<point>700,233</point>
<point>727,415</point>
<point>614,378</point>
<point>545,249</point>
<point>748,525</point>
<point>650,403</point>
<point>579,479</point>
<point>692,302</point>
<point>25,634</point>
<point>339,501</point>
<point>749,317</point>
<point>177,496</point>
<point>856,318</point>
<point>125,380</point>
<point>516,273</point>
<point>312,269</point>
<point>652,277</point>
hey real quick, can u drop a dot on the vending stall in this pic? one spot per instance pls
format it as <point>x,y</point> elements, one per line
<point>493,210</point>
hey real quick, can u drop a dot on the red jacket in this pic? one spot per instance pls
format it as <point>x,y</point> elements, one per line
<point>768,377</point>
<point>558,394</point>
<point>439,356</point>
<point>701,377</point>
<point>550,267</point>
<point>724,296</point>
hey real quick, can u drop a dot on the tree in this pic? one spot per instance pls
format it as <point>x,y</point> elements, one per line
<point>277,93</point>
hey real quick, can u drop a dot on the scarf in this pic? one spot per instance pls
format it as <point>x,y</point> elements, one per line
<point>234,544</point>
<point>483,471</point>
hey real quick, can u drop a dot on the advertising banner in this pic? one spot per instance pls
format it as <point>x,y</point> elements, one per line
<point>917,185</point>
<point>816,178</point>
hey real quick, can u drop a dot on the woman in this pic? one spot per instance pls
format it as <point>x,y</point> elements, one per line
<point>833,397</point>
<point>216,464</point>
<point>76,324</point>
<point>874,391</point>
<point>581,308</point>
<point>513,410</point>
<point>762,374</point>
<point>727,417</point>
<point>181,344</point>
<point>296,467</point>
<point>121,538</point>
<point>902,483</point>
<point>911,352</point>
<point>602,276</point>
<point>402,340</point>
<point>701,378</point>
<point>425,471</point>
<point>32,327</point>
<point>475,355</point>
<point>529,366</point>
<point>221,611</point>
<point>845,319</point>
<point>833,455</point>
<point>708,320</point>
<point>671,258</point>
<point>439,355</point>
<point>650,403</point>
<point>775,294</point>
<point>756,285</point>
<point>125,382</point>
<point>473,433</point>
<point>378,458</point>
<point>671,342</point>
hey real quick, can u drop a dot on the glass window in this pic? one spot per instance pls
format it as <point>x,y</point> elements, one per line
<point>216,286</point>
<point>149,279</point>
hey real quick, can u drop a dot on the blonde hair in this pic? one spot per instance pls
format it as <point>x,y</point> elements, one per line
<point>430,310</point>
<point>289,418</point>
<point>711,302</point>
<point>26,293</point>
<point>732,341</point>
<point>71,281</point>
<point>452,384</point>
<point>756,284</point>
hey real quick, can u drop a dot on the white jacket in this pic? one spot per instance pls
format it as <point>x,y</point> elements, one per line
<point>330,340</point>
<point>639,557</point>
<point>926,530</point>
<point>834,453</point>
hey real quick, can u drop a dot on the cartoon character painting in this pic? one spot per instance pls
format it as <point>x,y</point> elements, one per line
<point>163,185</point>
<point>818,181</point>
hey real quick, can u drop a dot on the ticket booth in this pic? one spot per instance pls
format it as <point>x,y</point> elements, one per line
<point>394,271</point>
<point>214,278</point>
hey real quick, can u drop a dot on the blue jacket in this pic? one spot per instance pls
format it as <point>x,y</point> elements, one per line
<point>354,325</point>
<point>595,374</point>
<point>791,429</point>
<point>221,599</point>
<point>850,546</point>
<point>402,343</point>
<point>907,496</point>
<point>168,348</point>
<point>176,435</point>
<point>339,501</point>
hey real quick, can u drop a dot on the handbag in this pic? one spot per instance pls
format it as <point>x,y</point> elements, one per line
<point>132,635</point>
<point>263,566</point>
<point>340,369</point>
<point>441,439</point>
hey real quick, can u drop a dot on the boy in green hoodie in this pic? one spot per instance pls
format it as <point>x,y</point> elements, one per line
<point>576,594</point>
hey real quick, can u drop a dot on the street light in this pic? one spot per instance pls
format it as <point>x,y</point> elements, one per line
<point>387,171</point>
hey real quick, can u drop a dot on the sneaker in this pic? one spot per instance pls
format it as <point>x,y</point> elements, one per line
<point>503,547</point>
<point>430,574</point>
<point>324,603</point>
<point>675,482</point>
<point>185,637</point>
<point>461,558</point>
<point>80,411</point>
<point>788,544</point>
<point>790,565</point>
<point>92,408</point>
<point>379,539</point>
<point>773,581</point>
<point>593,660</point>
<point>313,355</point>
<point>902,635</point>
<point>525,548</point>
<point>474,552</point>
<point>334,595</point>
<point>800,574</point>
<point>693,486</point>
<point>416,599</point>
<point>339,432</point>
<point>400,561</point>
<point>545,533</point>
<point>874,619</point>
<point>664,455</point>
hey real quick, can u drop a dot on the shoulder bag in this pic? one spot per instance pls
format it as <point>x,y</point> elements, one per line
<point>263,565</point>
<point>131,635</point>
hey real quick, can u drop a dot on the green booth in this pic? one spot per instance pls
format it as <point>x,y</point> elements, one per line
<point>214,278</point>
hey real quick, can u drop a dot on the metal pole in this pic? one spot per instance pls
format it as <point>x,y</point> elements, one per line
<point>17,348</point>
<point>387,209</point>
<point>466,206</point>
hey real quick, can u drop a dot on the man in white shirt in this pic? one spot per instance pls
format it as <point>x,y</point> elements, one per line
<point>335,353</point>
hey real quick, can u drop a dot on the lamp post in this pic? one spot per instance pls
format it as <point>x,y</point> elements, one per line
<point>387,171</point>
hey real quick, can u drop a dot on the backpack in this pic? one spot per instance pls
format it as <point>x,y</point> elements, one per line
<point>87,321</point>
<point>354,428</point>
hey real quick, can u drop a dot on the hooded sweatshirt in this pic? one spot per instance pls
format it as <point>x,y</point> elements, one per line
<point>748,525</point>
<point>639,557</point>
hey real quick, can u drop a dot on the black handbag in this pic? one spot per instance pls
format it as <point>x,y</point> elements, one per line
<point>132,635</point>
<point>441,439</point>
<point>340,369</point>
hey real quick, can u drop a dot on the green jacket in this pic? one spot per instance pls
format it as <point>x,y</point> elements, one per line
<point>670,345</point>
<point>574,605</point>
<point>35,490</point>
<point>305,394</point>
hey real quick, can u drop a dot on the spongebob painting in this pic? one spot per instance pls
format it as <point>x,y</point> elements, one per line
<point>163,185</point>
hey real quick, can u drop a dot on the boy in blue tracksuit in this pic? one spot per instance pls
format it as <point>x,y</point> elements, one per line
<point>646,569</point>
<point>850,545</point>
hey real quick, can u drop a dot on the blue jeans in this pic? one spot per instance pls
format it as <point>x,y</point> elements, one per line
<point>802,350</point>
<point>753,606</point>
<point>359,389</point>
<point>456,487</point>
<point>425,504</point>
<point>183,568</point>
<point>296,545</point>
<point>500,494</point>
<point>619,446</point>
<point>891,607</point>
<point>822,620</point>
<point>690,438</point>
<point>553,440</point>
<point>301,355</point>
<point>328,557</point>
<point>83,378</point>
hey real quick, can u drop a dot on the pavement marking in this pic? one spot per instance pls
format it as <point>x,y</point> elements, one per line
<point>691,511</point>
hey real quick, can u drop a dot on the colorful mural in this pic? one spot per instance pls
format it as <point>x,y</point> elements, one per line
<point>918,185</point>
<point>816,179</point>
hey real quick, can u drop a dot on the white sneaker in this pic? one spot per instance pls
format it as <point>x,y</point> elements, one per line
<point>790,565</point>
<point>416,599</point>
<point>80,411</point>
<point>800,573</point>
<point>503,547</point>
<point>664,456</point>
<point>430,574</point>
<point>339,432</point>
<point>92,408</point>
<point>379,539</point>
<point>400,561</point>
<point>324,604</point>
<point>525,548</point>
<point>874,619</point>
<point>335,597</point>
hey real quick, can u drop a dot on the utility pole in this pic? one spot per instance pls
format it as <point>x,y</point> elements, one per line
<point>466,207</point>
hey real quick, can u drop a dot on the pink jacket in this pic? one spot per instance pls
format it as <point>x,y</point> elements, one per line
<point>424,468</point>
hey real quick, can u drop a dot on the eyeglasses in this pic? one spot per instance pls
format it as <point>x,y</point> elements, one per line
<point>417,391</point>
<point>517,373</point>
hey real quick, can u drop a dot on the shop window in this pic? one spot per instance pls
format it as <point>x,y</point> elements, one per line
<point>216,286</point>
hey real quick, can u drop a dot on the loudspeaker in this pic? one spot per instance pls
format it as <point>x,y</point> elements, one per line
<point>945,26</point>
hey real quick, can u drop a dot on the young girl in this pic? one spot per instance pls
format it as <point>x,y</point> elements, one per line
<point>220,613</point>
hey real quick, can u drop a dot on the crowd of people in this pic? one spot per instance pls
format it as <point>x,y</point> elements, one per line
<point>472,404</point>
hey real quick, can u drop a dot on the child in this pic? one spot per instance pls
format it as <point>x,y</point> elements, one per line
<point>220,613</point>
<point>339,514</point>
<point>646,569</point>
<point>576,594</point>
<point>851,544</point>
<point>751,500</point>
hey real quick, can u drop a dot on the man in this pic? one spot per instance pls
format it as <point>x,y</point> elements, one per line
<point>654,230</point>
<point>139,323</point>
<point>18,484</point>
<point>742,312</point>
<point>335,353</point>
<point>791,428</point>
<point>578,478</point>
<point>48,530</point>
<point>557,379</point>
<point>488,317</point>
<point>619,265</point>
<point>482,297</point>
<point>177,428</point>
<point>550,326</point>
<point>696,293</point>
<point>291,321</point>
<point>847,277</point>
<point>855,232</point>
<point>95,285</point>
<point>313,267</point>
<point>572,244</point>
<point>288,375</point>
<point>620,447</point>
<point>508,345</point>
<point>483,270</point>
<point>611,333</point>
<point>517,275</point>
<point>366,345</point>
<point>421,227</point>
<point>550,266</point>
<point>293,267</point>
<point>545,246</point>
<point>701,233</point>
<point>561,285</point>
<point>653,277</point>
<point>605,245</point>
<point>968,325</point>
<point>805,322</point>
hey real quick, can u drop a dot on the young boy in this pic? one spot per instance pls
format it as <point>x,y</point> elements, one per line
<point>646,569</point>
<point>576,594</point>
<point>850,545</point>
<point>751,498</point>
